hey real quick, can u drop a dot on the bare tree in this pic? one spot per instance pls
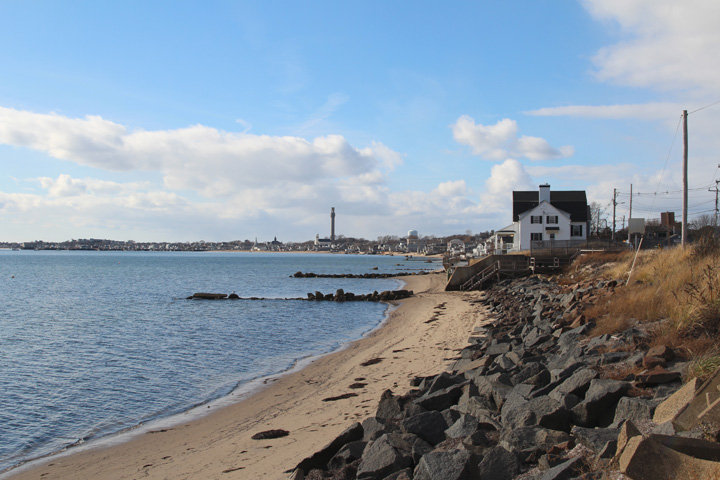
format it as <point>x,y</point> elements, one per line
<point>596,212</point>
<point>702,221</point>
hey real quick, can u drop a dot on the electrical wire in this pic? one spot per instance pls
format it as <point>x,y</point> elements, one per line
<point>703,108</point>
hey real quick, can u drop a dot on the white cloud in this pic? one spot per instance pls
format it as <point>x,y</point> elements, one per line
<point>452,188</point>
<point>496,199</point>
<point>667,45</point>
<point>501,141</point>
<point>508,176</point>
<point>66,186</point>
<point>212,162</point>
<point>648,111</point>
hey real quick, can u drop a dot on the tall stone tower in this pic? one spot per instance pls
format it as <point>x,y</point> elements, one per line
<point>332,224</point>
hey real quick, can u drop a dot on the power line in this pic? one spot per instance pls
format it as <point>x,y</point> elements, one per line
<point>703,108</point>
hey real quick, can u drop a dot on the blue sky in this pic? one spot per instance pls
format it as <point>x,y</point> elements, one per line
<point>185,121</point>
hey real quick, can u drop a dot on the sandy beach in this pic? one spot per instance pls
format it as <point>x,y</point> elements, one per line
<point>421,337</point>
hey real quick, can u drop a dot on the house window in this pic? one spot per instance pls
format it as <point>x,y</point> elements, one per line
<point>536,219</point>
<point>576,231</point>
<point>536,237</point>
<point>552,219</point>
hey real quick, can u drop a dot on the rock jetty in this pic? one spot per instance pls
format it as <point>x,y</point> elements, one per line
<point>339,296</point>
<point>535,397</point>
<point>342,296</point>
<point>358,275</point>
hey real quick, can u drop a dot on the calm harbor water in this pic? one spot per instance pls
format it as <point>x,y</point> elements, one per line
<point>95,343</point>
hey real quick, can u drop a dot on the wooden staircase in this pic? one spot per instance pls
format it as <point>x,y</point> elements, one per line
<point>510,266</point>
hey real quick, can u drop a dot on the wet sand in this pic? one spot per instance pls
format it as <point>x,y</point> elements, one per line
<point>420,338</point>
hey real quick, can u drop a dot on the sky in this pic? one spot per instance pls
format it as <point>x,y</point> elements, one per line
<point>231,120</point>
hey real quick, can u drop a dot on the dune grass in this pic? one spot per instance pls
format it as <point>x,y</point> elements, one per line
<point>676,292</point>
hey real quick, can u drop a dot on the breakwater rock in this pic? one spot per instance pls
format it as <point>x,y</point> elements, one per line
<point>339,296</point>
<point>225,296</point>
<point>342,296</point>
<point>358,275</point>
<point>535,396</point>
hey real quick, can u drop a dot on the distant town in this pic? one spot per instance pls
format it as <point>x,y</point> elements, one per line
<point>428,245</point>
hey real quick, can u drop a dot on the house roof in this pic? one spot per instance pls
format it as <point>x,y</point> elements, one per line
<point>573,202</point>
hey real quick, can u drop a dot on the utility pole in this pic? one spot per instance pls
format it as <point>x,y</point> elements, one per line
<point>614,205</point>
<point>685,180</point>
<point>716,200</point>
<point>630,214</point>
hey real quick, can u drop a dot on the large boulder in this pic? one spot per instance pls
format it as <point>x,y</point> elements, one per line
<point>499,464</point>
<point>447,465</point>
<point>386,455</point>
<point>430,426</point>
<point>598,408</point>
<point>660,456</point>
<point>321,458</point>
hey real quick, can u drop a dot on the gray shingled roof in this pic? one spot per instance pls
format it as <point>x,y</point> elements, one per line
<point>573,202</point>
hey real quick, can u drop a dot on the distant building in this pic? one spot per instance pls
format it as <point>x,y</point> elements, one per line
<point>322,243</point>
<point>332,224</point>
<point>412,241</point>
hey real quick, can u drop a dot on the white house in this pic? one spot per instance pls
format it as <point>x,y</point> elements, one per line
<point>543,216</point>
<point>547,216</point>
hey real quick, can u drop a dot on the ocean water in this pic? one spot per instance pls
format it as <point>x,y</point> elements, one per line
<point>97,343</point>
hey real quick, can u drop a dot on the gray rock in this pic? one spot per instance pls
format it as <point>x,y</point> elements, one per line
<point>389,453</point>
<point>543,411</point>
<point>526,440</point>
<point>540,380</point>
<point>443,381</point>
<point>447,465</point>
<point>569,401</point>
<point>499,464</point>
<point>665,390</point>
<point>373,428</point>
<point>347,454</point>
<point>321,458</point>
<point>470,405</point>
<point>567,358</point>
<point>599,341</point>
<point>389,406</point>
<point>487,420</point>
<point>665,428</point>
<point>430,426</point>
<point>465,426</point>
<point>498,349</point>
<point>598,408</point>
<point>566,470</point>
<point>505,362</point>
<point>529,370</point>
<point>404,474</point>
<point>613,357</point>
<point>576,384</point>
<point>535,337</point>
<point>636,409</point>
<point>451,415</point>
<point>572,337</point>
<point>562,373</point>
<point>595,438</point>
<point>441,399</point>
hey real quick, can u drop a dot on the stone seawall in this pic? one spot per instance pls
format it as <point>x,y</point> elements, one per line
<point>534,396</point>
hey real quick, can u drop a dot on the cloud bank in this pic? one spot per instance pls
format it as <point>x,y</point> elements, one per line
<point>216,184</point>
<point>501,141</point>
